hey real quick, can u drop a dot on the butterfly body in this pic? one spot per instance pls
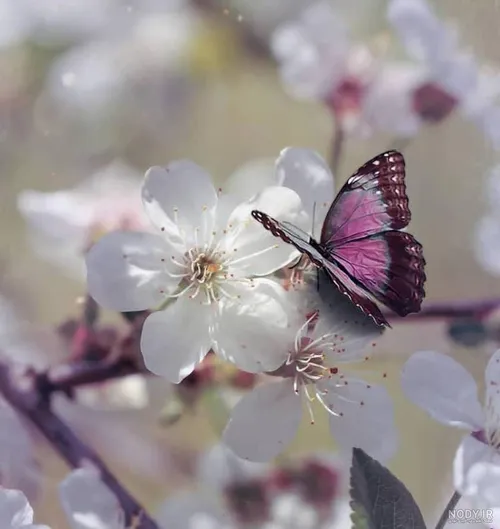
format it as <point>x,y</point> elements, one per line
<point>361,248</point>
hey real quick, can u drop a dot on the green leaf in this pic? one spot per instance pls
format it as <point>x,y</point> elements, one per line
<point>379,500</point>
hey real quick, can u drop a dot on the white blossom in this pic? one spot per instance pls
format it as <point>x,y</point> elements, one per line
<point>360,414</point>
<point>92,78</point>
<point>15,511</point>
<point>200,271</point>
<point>443,388</point>
<point>18,469</point>
<point>487,236</point>
<point>88,503</point>
<point>456,73</point>
<point>64,223</point>
<point>318,61</point>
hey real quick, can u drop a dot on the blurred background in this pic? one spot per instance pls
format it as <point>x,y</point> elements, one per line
<point>93,92</point>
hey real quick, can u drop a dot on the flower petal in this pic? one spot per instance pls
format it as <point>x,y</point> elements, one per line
<point>17,466</point>
<point>125,270</point>
<point>250,179</point>
<point>487,243</point>
<point>252,331</point>
<point>484,484</point>
<point>492,381</point>
<point>489,121</point>
<point>88,502</point>
<point>389,103</point>
<point>312,52</point>
<point>254,250</point>
<point>188,511</point>
<point>307,173</point>
<point>470,452</point>
<point>417,26</point>
<point>264,421</point>
<point>176,339</point>
<point>443,388</point>
<point>364,417</point>
<point>15,509</point>
<point>179,198</point>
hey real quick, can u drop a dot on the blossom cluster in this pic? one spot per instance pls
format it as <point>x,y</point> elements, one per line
<point>369,93</point>
<point>85,499</point>
<point>211,277</point>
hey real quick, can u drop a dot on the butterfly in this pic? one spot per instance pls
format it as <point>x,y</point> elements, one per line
<point>361,248</point>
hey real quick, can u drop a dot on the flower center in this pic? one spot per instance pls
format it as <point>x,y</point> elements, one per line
<point>203,274</point>
<point>306,363</point>
<point>204,268</point>
<point>208,270</point>
<point>298,274</point>
<point>432,103</point>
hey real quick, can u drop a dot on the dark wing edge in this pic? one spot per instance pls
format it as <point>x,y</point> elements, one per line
<point>404,291</point>
<point>289,234</point>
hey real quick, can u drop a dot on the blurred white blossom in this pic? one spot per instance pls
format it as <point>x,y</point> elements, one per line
<point>366,92</point>
<point>87,502</point>
<point>15,511</point>
<point>446,390</point>
<point>18,467</point>
<point>132,79</point>
<point>66,22</point>
<point>199,269</point>
<point>487,236</point>
<point>104,74</point>
<point>234,494</point>
<point>453,77</point>
<point>64,223</point>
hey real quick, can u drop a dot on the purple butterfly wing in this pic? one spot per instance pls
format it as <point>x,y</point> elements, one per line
<point>372,200</point>
<point>359,235</point>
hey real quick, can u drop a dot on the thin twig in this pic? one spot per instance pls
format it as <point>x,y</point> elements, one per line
<point>447,310</point>
<point>446,513</point>
<point>65,378</point>
<point>20,391</point>
<point>336,148</point>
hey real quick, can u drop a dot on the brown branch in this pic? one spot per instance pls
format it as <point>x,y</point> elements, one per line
<point>450,309</point>
<point>20,391</point>
<point>65,378</point>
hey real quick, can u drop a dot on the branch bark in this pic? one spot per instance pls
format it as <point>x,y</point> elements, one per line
<point>20,390</point>
<point>451,309</point>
